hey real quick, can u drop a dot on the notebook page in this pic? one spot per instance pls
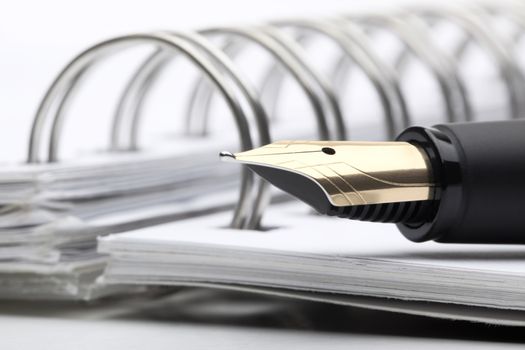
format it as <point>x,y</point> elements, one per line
<point>308,252</point>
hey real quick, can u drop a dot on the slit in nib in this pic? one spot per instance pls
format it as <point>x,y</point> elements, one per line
<point>226,156</point>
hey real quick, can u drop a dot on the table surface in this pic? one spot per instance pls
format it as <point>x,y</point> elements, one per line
<point>201,319</point>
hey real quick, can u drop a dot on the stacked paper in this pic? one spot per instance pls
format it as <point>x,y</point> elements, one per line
<point>319,255</point>
<point>51,214</point>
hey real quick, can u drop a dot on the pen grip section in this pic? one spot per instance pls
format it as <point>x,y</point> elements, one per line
<point>410,213</point>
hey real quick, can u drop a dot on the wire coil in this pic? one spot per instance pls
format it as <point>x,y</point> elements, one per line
<point>285,41</point>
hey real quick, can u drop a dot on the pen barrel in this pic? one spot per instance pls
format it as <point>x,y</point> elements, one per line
<point>480,172</point>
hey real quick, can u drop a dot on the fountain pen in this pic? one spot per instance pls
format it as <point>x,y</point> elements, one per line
<point>451,183</point>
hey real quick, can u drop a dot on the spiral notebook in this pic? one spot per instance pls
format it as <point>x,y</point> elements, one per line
<point>168,213</point>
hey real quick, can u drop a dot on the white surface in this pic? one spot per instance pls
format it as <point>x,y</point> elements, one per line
<point>68,334</point>
<point>108,327</point>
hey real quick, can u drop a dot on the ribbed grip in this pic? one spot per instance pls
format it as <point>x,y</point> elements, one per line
<point>406,212</point>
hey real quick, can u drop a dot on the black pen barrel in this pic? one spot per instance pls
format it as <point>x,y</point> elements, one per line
<point>480,172</point>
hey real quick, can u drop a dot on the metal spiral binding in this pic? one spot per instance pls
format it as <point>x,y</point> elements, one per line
<point>285,41</point>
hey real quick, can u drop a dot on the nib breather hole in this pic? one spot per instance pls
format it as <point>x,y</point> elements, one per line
<point>328,150</point>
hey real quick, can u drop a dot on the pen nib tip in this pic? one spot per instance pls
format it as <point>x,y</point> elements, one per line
<point>226,156</point>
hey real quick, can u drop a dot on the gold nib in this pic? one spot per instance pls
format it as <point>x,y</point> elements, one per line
<point>349,173</point>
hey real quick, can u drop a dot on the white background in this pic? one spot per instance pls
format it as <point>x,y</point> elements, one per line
<point>37,38</point>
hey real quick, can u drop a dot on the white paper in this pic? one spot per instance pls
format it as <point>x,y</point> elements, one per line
<point>320,254</point>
